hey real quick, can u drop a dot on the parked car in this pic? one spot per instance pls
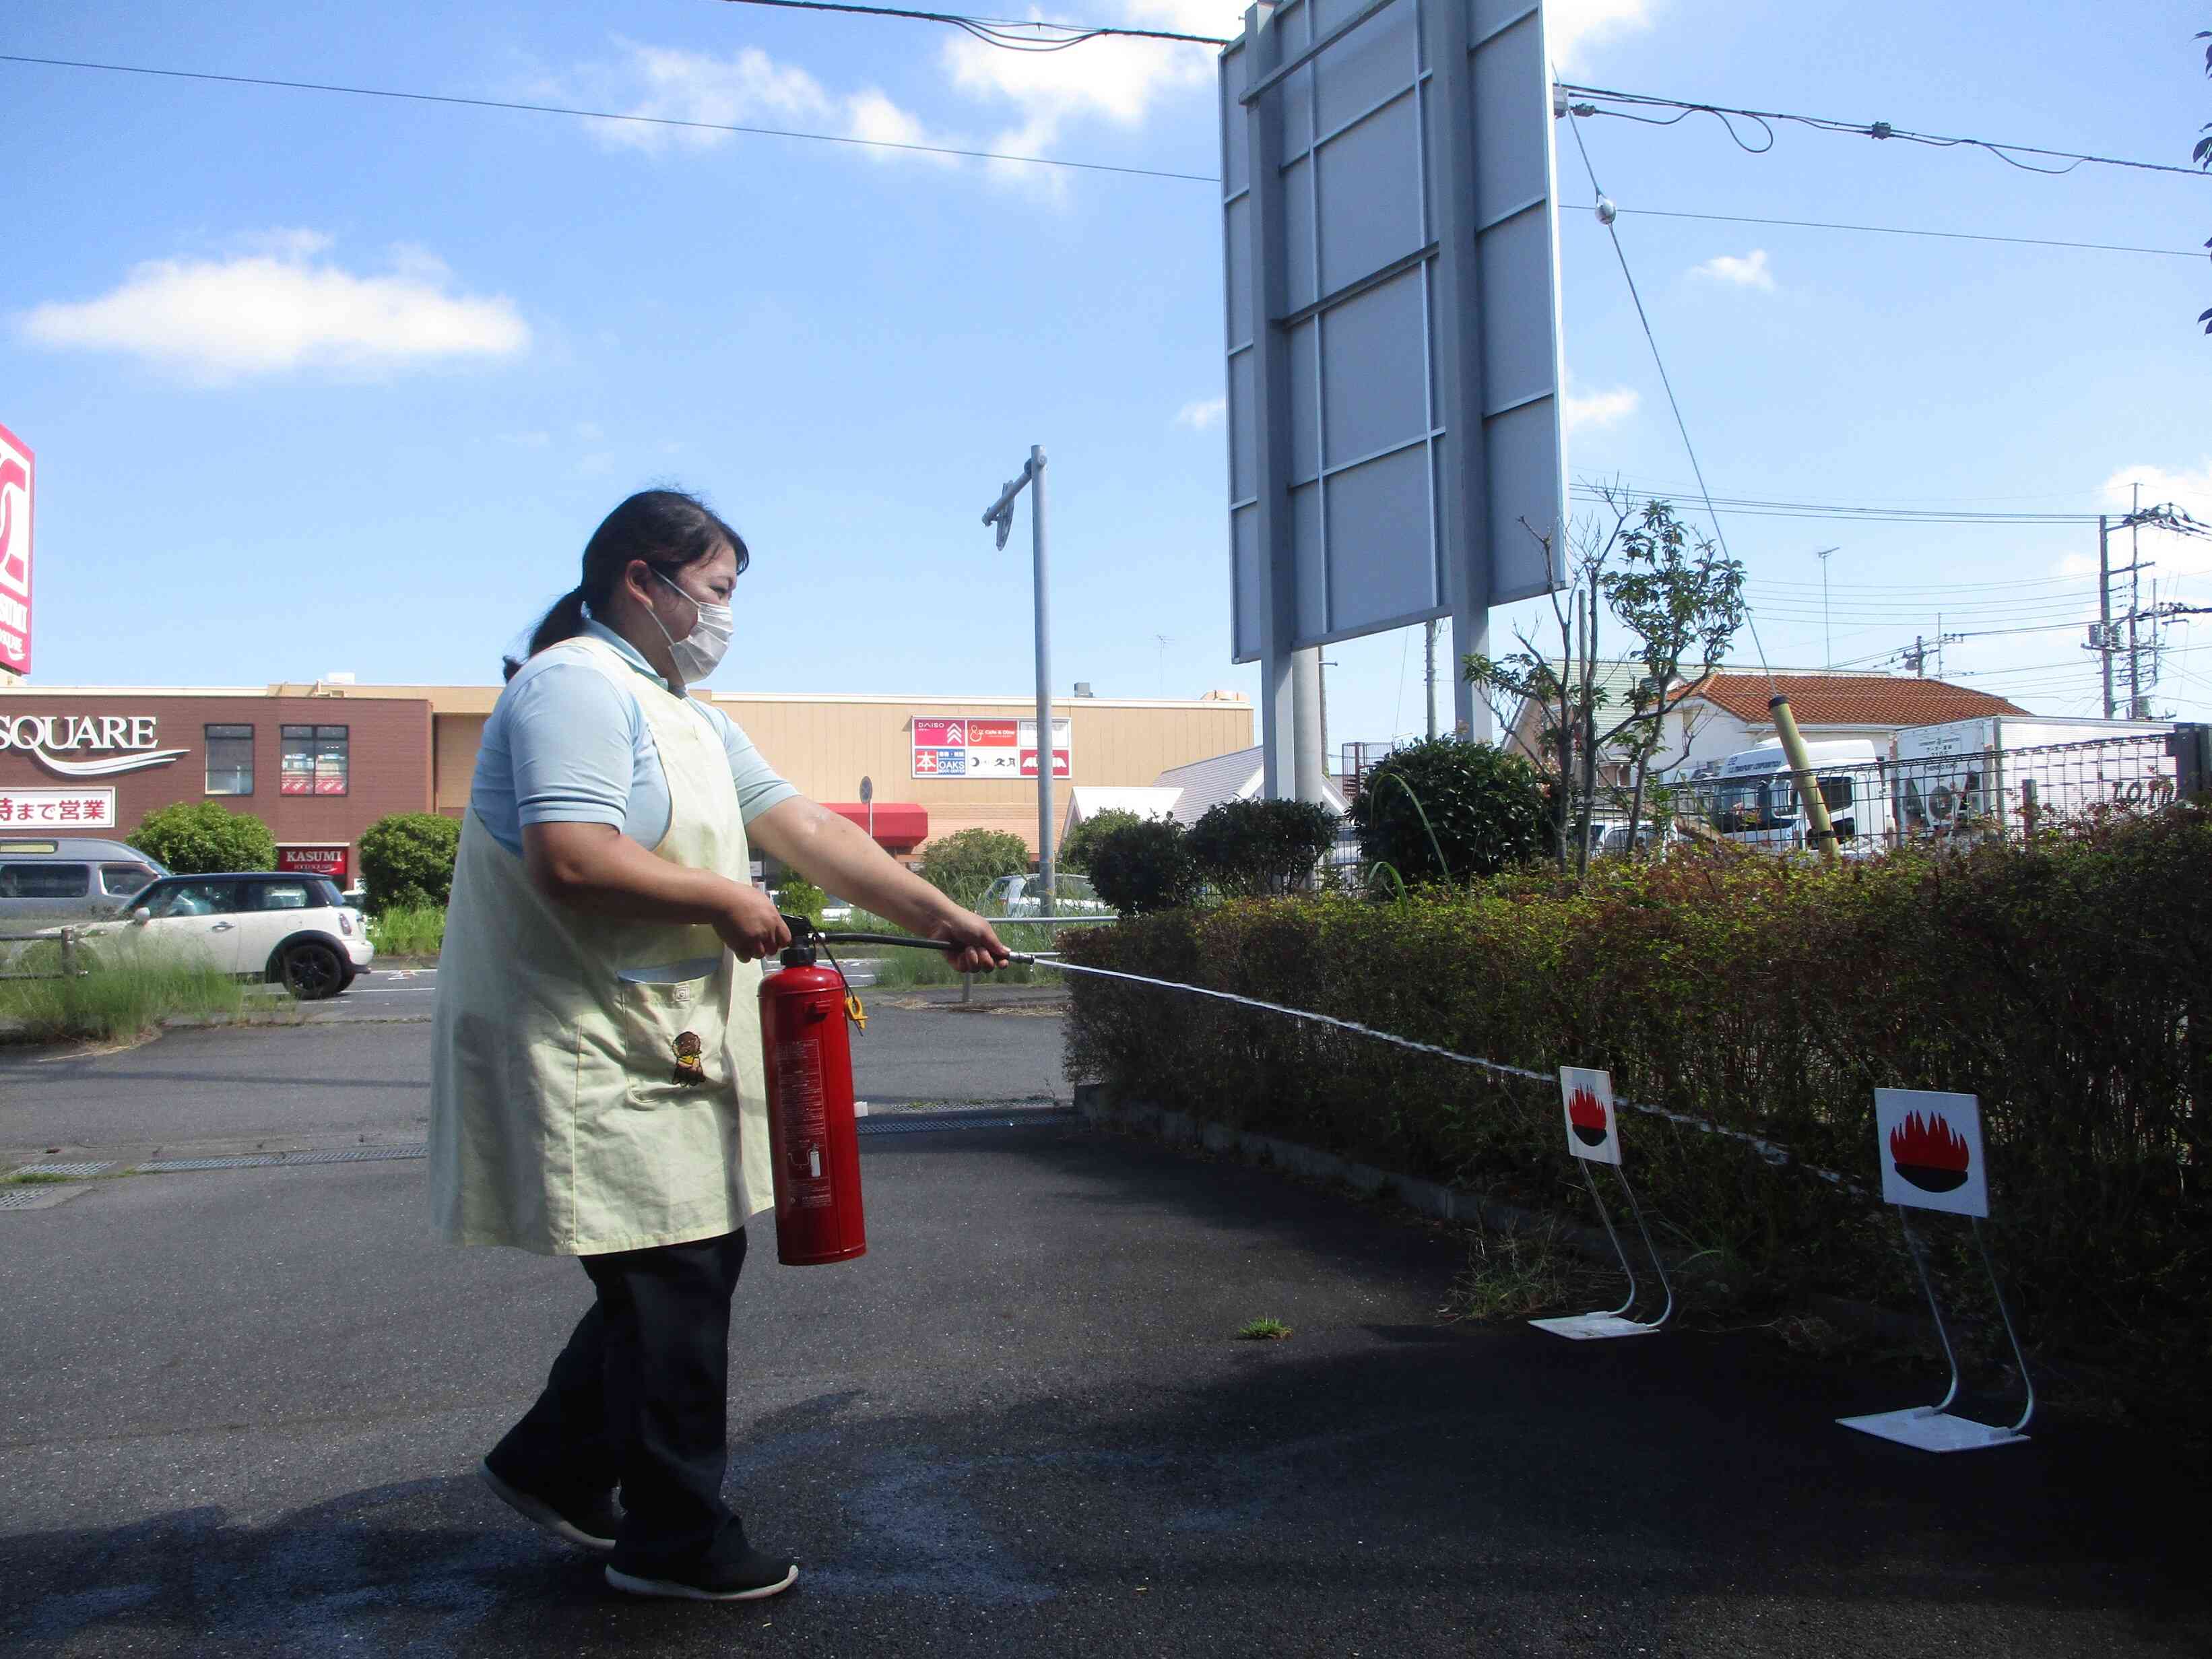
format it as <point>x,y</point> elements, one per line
<point>48,879</point>
<point>259,924</point>
<point>1024,896</point>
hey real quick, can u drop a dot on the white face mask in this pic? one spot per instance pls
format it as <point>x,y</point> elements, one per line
<point>700,652</point>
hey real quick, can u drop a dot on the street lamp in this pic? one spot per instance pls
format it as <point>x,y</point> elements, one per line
<point>1001,517</point>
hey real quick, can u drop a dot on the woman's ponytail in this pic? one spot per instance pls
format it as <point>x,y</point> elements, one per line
<point>563,622</point>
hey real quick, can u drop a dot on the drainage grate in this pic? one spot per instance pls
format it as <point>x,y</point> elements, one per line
<point>921,1123</point>
<point>259,1160</point>
<point>65,1168</point>
<point>38,1199</point>
<point>358,1155</point>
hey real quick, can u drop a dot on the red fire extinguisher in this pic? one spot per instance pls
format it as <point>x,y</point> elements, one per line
<point>811,1130</point>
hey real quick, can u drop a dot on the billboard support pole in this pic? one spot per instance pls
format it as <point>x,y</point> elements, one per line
<point>1271,410</point>
<point>1449,111</point>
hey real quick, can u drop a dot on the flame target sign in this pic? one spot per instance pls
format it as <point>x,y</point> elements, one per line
<point>1930,1147</point>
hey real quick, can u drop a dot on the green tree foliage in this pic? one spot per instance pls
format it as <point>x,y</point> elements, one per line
<point>962,865</point>
<point>1478,808</point>
<point>407,858</point>
<point>1075,852</point>
<point>1259,848</point>
<point>1680,598</point>
<point>797,896</point>
<point>198,838</point>
<point>1145,866</point>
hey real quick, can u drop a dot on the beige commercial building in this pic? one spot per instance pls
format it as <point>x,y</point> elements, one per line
<point>320,762</point>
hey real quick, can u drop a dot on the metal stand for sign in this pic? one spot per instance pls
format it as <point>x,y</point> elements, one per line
<point>1593,1327</point>
<point>1932,1428</point>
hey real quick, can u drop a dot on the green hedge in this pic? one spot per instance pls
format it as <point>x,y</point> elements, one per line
<point>2069,985</point>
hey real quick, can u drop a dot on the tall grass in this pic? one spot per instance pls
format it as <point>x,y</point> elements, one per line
<point>408,930</point>
<point>118,1000</point>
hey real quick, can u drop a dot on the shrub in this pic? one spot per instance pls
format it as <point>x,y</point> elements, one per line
<point>1139,868</point>
<point>407,858</point>
<point>1479,806</point>
<point>1253,848</point>
<point>1076,851</point>
<point>962,865</point>
<point>2069,984</point>
<point>199,838</point>
<point>797,897</point>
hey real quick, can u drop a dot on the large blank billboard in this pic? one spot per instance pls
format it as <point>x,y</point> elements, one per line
<point>1392,316</point>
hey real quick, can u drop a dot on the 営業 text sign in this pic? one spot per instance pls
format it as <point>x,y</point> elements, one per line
<point>1930,1147</point>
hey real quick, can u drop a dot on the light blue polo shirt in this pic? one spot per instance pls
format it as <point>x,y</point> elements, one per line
<point>565,744</point>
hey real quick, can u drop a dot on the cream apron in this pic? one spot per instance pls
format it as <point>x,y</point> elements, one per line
<point>567,1112</point>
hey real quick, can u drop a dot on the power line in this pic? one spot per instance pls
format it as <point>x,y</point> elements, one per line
<point>1879,129</point>
<point>997,30</point>
<point>1757,507</point>
<point>1660,363</point>
<point>605,115</point>
<point>1906,230</point>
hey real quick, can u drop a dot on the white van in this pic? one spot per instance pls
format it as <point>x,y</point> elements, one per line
<point>50,878</point>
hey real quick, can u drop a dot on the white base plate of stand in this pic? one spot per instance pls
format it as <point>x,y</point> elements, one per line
<point>1589,1327</point>
<point>1930,1429</point>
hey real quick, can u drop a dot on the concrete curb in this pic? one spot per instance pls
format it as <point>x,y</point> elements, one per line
<point>1438,1201</point>
<point>1429,1198</point>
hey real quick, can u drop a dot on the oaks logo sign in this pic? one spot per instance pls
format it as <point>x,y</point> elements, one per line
<point>86,745</point>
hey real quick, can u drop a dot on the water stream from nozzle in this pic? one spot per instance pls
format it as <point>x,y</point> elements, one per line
<point>1773,1151</point>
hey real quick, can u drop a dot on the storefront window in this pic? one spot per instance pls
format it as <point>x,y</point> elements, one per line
<point>314,760</point>
<point>230,760</point>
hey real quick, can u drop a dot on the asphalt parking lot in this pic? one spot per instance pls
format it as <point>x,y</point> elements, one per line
<point>243,1406</point>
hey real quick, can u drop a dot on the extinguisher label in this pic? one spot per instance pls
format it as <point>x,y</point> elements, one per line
<point>805,1123</point>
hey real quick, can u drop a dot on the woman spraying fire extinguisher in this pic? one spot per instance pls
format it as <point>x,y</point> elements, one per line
<point>596,1082</point>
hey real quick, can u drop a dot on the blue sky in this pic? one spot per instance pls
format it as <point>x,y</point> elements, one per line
<point>325,383</point>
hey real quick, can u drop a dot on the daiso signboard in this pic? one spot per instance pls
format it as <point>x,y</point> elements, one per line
<point>18,477</point>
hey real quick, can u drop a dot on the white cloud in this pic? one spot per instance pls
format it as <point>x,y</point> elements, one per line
<point>1748,272</point>
<point>2189,490</point>
<point>1589,412</point>
<point>282,309</point>
<point>745,88</point>
<point>1202,414</point>
<point>1119,81</point>
<point>1576,24</point>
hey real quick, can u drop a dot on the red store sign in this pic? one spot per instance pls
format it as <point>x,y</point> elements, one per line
<point>332,862</point>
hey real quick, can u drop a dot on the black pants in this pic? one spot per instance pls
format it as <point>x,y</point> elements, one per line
<point>640,1398</point>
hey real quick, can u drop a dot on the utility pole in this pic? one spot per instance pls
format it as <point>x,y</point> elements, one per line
<point>1827,638</point>
<point>2105,605</point>
<point>2135,710</point>
<point>1430,630</point>
<point>1001,515</point>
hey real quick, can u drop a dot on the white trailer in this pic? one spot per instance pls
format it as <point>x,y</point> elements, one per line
<point>2013,774</point>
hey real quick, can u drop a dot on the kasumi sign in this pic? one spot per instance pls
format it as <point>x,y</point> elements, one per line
<point>86,745</point>
<point>18,478</point>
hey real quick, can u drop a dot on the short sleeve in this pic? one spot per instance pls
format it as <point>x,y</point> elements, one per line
<point>572,735</point>
<point>758,785</point>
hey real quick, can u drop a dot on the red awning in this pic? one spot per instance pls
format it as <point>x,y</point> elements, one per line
<point>901,825</point>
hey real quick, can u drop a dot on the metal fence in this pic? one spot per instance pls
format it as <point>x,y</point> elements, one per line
<point>1955,799</point>
<point>1970,796</point>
